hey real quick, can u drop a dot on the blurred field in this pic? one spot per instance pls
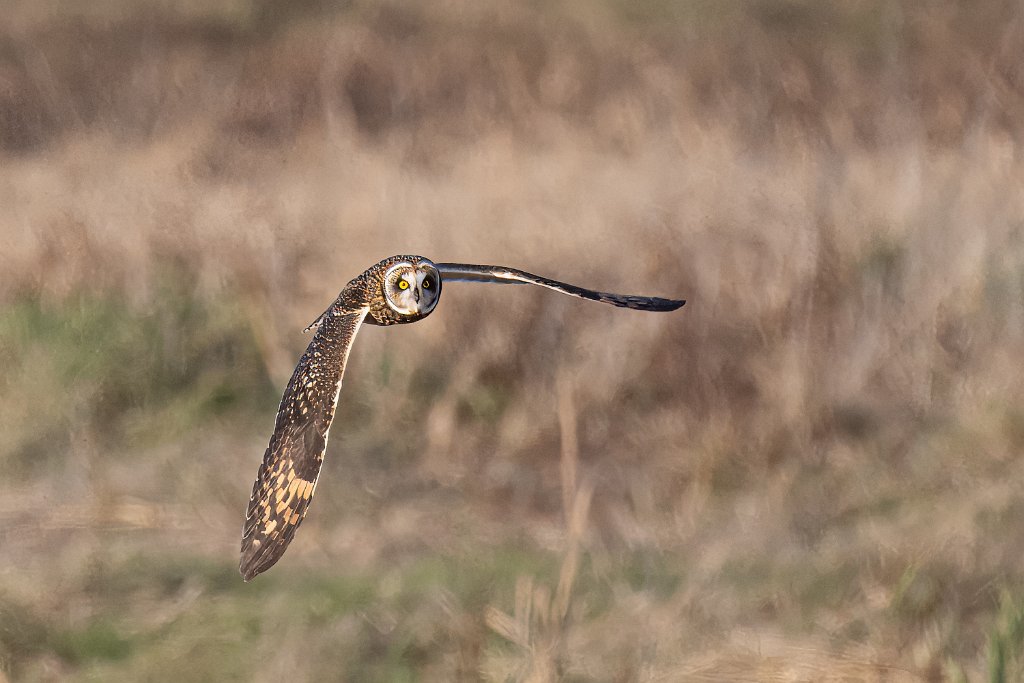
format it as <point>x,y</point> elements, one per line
<point>811,472</point>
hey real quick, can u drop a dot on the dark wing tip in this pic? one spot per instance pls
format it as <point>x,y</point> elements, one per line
<point>254,562</point>
<point>643,303</point>
<point>251,565</point>
<point>667,305</point>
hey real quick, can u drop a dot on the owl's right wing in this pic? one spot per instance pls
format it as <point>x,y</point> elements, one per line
<point>465,272</point>
<point>287,477</point>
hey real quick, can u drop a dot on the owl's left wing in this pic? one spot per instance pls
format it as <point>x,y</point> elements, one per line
<point>287,477</point>
<point>466,272</point>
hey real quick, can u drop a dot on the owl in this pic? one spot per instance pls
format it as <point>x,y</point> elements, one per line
<point>400,289</point>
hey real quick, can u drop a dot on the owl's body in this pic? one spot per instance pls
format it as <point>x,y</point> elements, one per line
<point>400,289</point>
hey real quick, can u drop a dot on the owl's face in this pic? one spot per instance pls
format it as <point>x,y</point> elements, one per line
<point>412,289</point>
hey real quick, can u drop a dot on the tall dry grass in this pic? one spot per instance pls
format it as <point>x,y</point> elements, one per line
<point>810,472</point>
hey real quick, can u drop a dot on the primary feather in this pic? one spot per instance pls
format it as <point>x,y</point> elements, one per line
<point>464,272</point>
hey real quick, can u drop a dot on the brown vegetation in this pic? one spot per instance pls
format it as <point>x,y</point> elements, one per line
<point>811,472</point>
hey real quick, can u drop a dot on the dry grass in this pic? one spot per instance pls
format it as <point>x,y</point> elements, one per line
<point>812,472</point>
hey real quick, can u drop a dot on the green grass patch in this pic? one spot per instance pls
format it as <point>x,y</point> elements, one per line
<point>1006,642</point>
<point>657,573</point>
<point>96,640</point>
<point>95,367</point>
<point>23,635</point>
<point>155,611</point>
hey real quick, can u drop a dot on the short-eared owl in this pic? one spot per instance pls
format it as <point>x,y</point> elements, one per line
<point>400,289</point>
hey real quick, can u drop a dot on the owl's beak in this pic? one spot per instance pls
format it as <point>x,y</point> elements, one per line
<point>416,294</point>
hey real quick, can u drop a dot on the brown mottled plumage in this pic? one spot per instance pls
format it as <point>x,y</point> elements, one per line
<point>400,289</point>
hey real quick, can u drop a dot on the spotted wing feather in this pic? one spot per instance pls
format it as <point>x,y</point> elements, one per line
<point>464,272</point>
<point>287,477</point>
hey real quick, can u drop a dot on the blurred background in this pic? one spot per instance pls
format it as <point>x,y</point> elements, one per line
<point>813,471</point>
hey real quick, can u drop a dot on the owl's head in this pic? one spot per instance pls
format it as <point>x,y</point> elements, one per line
<point>412,287</point>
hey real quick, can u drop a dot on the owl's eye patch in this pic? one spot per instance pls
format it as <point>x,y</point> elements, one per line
<point>403,284</point>
<point>426,283</point>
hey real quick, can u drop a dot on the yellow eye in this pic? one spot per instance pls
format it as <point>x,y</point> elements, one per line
<point>426,283</point>
<point>403,284</point>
